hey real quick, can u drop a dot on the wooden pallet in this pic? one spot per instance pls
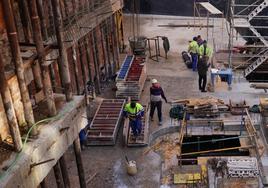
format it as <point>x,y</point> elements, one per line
<point>106,122</point>
<point>141,140</point>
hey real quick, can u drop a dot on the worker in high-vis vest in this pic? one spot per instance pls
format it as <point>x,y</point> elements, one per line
<point>134,111</point>
<point>193,49</point>
<point>205,53</point>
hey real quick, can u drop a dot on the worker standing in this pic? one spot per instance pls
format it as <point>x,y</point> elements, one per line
<point>199,40</point>
<point>205,54</point>
<point>166,45</point>
<point>134,111</point>
<point>156,95</point>
<point>193,49</point>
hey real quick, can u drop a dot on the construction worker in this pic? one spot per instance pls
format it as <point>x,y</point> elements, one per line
<point>166,45</point>
<point>205,53</point>
<point>193,49</point>
<point>199,40</point>
<point>156,95</point>
<point>134,111</point>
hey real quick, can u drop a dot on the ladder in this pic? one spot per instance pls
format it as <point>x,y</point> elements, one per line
<point>257,10</point>
<point>263,56</point>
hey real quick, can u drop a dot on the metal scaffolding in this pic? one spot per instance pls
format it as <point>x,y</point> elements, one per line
<point>248,18</point>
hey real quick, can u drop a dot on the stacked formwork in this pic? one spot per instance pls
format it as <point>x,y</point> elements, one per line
<point>131,85</point>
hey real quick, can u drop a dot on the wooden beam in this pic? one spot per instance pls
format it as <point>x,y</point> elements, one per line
<point>58,176</point>
<point>63,60</point>
<point>10,112</point>
<point>97,74</point>
<point>78,157</point>
<point>64,171</point>
<point>25,20</point>
<point>40,8</point>
<point>15,50</point>
<point>40,50</point>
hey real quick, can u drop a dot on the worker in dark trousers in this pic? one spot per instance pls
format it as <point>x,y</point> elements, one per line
<point>156,95</point>
<point>193,49</point>
<point>204,54</point>
<point>134,111</point>
<point>166,45</point>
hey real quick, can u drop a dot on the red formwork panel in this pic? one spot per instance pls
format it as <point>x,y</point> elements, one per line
<point>105,124</point>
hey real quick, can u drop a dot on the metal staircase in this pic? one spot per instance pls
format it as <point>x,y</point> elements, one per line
<point>261,58</point>
<point>243,20</point>
<point>258,10</point>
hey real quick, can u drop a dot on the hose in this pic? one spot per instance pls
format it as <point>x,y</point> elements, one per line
<point>18,155</point>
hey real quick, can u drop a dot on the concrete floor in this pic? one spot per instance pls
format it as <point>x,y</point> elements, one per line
<point>178,82</point>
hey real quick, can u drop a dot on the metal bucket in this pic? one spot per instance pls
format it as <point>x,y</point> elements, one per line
<point>137,42</point>
<point>132,168</point>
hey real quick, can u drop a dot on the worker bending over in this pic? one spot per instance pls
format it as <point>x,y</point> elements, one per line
<point>205,54</point>
<point>193,49</point>
<point>134,111</point>
<point>156,95</point>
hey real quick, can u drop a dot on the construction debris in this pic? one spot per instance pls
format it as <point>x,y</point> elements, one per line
<point>203,107</point>
<point>238,108</point>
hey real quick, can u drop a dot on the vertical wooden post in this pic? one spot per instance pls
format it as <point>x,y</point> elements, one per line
<point>25,20</point>
<point>64,171</point>
<point>110,70</point>
<point>8,105</point>
<point>88,59</point>
<point>83,70</point>
<point>44,184</point>
<point>40,50</point>
<point>110,39</point>
<point>104,52</point>
<point>78,157</point>
<point>15,50</point>
<point>76,69</point>
<point>63,60</point>
<point>115,41</point>
<point>40,9</point>
<point>58,176</point>
<point>97,74</point>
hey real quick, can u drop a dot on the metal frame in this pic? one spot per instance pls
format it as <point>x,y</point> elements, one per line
<point>245,13</point>
<point>201,12</point>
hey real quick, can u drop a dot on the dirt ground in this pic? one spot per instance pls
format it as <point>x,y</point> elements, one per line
<point>178,82</point>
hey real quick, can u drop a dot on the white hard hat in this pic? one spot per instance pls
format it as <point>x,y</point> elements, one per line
<point>154,81</point>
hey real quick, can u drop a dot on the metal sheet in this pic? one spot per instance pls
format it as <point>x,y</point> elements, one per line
<point>210,8</point>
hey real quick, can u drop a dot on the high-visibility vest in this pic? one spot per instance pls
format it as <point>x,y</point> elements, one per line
<point>133,111</point>
<point>193,47</point>
<point>203,52</point>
